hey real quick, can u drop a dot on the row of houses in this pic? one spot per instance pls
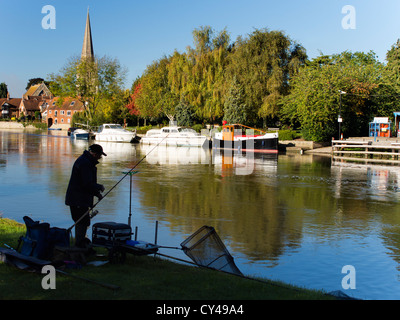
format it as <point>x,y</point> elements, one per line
<point>38,102</point>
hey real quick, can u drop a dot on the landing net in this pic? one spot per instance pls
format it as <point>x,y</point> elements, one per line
<point>206,249</point>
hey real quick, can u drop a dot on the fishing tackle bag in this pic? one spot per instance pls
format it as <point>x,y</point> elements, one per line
<point>40,239</point>
<point>110,233</point>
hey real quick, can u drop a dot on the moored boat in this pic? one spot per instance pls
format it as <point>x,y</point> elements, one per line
<point>243,138</point>
<point>114,133</point>
<point>81,134</point>
<point>175,136</point>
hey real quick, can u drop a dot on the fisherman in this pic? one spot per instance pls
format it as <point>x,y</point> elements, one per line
<point>81,190</point>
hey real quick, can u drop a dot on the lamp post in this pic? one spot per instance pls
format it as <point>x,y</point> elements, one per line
<point>340,120</point>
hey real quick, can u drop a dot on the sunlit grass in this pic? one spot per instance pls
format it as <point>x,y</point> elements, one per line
<point>139,278</point>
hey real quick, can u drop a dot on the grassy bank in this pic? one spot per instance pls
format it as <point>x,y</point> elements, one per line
<point>139,278</point>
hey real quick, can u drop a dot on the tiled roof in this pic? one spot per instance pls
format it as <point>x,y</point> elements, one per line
<point>15,102</point>
<point>67,104</point>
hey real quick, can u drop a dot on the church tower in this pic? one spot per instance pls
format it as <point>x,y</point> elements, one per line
<point>87,48</point>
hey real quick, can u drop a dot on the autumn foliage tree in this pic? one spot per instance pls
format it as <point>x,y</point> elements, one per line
<point>133,109</point>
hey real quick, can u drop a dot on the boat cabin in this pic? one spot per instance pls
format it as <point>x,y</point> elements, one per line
<point>231,131</point>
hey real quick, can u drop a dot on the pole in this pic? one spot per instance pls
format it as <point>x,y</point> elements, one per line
<point>130,200</point>
<point>340,111</point>
<point>130,194</point>
<point>103,284</point>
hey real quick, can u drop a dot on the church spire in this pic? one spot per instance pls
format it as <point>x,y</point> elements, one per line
<point>87,48</point>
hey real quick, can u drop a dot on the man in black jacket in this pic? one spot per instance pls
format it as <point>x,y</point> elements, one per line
<point>81,190</point>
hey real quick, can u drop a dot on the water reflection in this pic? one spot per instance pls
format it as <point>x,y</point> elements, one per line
<point>225,162</point>
<point>296,218</point>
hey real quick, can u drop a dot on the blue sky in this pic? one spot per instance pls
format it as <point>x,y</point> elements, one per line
<point>139,32</point>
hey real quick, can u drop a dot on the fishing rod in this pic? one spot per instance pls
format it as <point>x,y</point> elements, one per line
<point>94,213</point>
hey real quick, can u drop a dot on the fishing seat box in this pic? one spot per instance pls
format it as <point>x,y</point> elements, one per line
<point>110,233</point>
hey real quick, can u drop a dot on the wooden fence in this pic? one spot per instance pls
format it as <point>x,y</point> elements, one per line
<point>366,151</point>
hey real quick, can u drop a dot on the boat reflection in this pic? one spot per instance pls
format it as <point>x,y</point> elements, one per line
<point>225,162</point>
<point>114,150</point>
<point>169,155</point>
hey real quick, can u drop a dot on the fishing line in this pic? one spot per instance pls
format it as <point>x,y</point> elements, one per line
<point>113,187</point>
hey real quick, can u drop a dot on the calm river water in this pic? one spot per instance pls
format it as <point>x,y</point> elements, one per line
<point>295,218</point>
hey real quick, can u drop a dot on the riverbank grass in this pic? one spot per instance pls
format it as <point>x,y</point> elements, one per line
<point>139,278</point>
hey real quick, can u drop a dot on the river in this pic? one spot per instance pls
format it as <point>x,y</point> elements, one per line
<point>300,219</point>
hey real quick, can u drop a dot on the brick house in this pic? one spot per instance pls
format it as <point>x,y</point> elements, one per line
<point>34,101</point>
<point>31,105</point>
<point>59,111</point>
<point>9,107</point>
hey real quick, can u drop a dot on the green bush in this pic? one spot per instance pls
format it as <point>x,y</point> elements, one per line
<point>144,129</point>
<point>197,127</point>
<point>287,135</point>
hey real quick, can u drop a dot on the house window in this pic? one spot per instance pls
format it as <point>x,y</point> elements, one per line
<point>54,103</point>
<point>69,120</point>
<point>62,112</point>
<point>62,120</point>
<point>55,113</point>
<point>69,113</point>
<point>72,103</point>
<point>55,121</point>
<point>49,111</point>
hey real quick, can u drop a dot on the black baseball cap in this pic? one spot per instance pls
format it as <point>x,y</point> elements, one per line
<point>96,148</point>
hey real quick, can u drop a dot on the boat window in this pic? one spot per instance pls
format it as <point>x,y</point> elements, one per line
<point>100,129</point>
<point>165,130</point>
<point>115,126</point>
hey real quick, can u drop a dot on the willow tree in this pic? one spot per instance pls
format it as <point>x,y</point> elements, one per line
<point>206,83</point>
<point>196,76</point>
<point>263,63</point>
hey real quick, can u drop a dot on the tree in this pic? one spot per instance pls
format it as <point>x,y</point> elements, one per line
<point>314,99</point>
<point>264,63</point>
<point>184,114</point>
<point>390,89</point>
<point>235,110</point>
<point>393,64</point>
<point>3,90</point>
<point>133,109</point>
<point>156,95</point>
<point>199,74</point>
<point>96,83</point>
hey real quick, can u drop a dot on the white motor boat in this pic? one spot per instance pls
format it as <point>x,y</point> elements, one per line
<point>114,133</point>
<point>80,134</point>
<point>175,136</point>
